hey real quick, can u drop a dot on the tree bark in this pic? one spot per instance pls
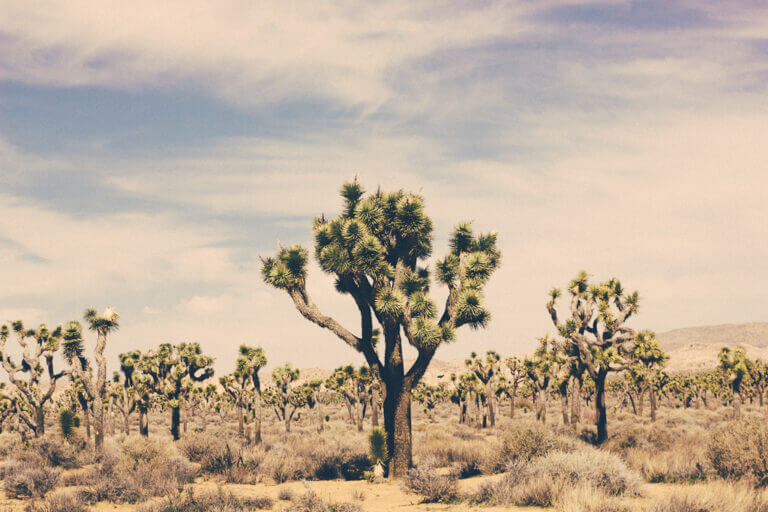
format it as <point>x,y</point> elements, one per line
<point>375,406</point>
<point>239,412</point>
<point>39,421</point>
<point>575,403</point>
<point>490,400</point>
<point>652,398</point>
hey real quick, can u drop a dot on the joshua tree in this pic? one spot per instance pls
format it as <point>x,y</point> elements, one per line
<point>243,387</point>
<point>487,371</point>
<point>461,393</point>
<point>173,369</point>
<point>94,388</point>
<point>39,348</point>
<point>375,248</point>
<point>7,407</point>
<point>354,386</point>
<point>516,377</point>
<point>429,397</point>
<point>758,375</point>
<point>313,392</point>
<point>650,360</point>
<point>735,368</point>
<point>540,370</point>
<point>285,398</point>
<point>596,331</point>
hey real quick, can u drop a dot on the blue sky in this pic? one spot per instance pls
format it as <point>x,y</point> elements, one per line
<point>149,154</point>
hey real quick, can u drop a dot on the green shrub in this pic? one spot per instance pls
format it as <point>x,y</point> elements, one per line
<point>66,422</point>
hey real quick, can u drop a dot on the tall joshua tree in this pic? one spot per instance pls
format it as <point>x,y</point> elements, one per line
<point>35,377</point>
<point>596,330</point>
<point>487,370</point>
<point>79,366</point>
<point>376,249</point>
<point>540,370</point>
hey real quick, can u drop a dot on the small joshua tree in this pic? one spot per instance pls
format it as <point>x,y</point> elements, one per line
<point>487,371</point>
<point>34,378</point>
<point>243,387</point>
<point>376,249</point>
<point>354,386</point>
<point>430,397</point>
<point>735,368</point>
<point>540,370</point>
<point>516,377</point>
<point>173,369</point>
<point>596,330</point>
<point>650,361</point>
<point>285,398</point>
<point>758,375</point>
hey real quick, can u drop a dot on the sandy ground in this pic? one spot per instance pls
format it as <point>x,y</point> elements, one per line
<point>384,497</point>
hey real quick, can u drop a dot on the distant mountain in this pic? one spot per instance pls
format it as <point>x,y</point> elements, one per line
<point>696,348</point>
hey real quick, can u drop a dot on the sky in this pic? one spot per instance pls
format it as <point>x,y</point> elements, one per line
<point>151,152</point>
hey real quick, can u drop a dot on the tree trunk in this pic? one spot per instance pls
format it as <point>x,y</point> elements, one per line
<point>541,406</point>
<point>652,398</point>
<point>375,406</point>
<point>39,421</point>
<point>257,423</point>
<point>98,424</point>
<point>397,423</point>
<point>87,421</point>
<point>239,412</point>
<point>564,402</point>
<point>575,403</point>
<point>287,424</point>
<point>601,417</point>
<point>175,420</point>
<point>640,400</point>
<point>143,422</point>
<point>512,404</point>
<point>127,424</point>
<point>490,400</point>
<point>737,405</point>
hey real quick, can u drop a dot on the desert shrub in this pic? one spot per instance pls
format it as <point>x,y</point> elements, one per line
<point>430,485</point>
<point>25,480</point>
<point>542,480</point>
<point>716,496</point>
<point>466,458</point>
<point>377,446</point>
<point>219,501</point>
<point>142,468</point>
<point>681,464</point>
<point>10,443</point>
<point>524,443</point>
<point>740,449</point>
<point>285,494</point>
<point>206,449</point>
<point>59,501</point>
<point>55,451</point>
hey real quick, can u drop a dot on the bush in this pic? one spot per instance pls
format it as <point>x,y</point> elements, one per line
<point>431,486</point>
<point>212,453</point>
<point>740,449</point>
<point>10,443</point>
<point>24,480</point>
<point>542,481</point>
<point>56,452</point>
<point>525,444</point>
<point>60,501</point>
<point>66,422</point>
<point>143,468</point>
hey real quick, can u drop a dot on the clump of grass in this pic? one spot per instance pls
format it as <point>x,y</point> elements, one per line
<point>285,494</point>
<point>22,479</point>
<point>311,502</point>
<point>716,496</point>
<point>219,501</point>
<point>542,481</point>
